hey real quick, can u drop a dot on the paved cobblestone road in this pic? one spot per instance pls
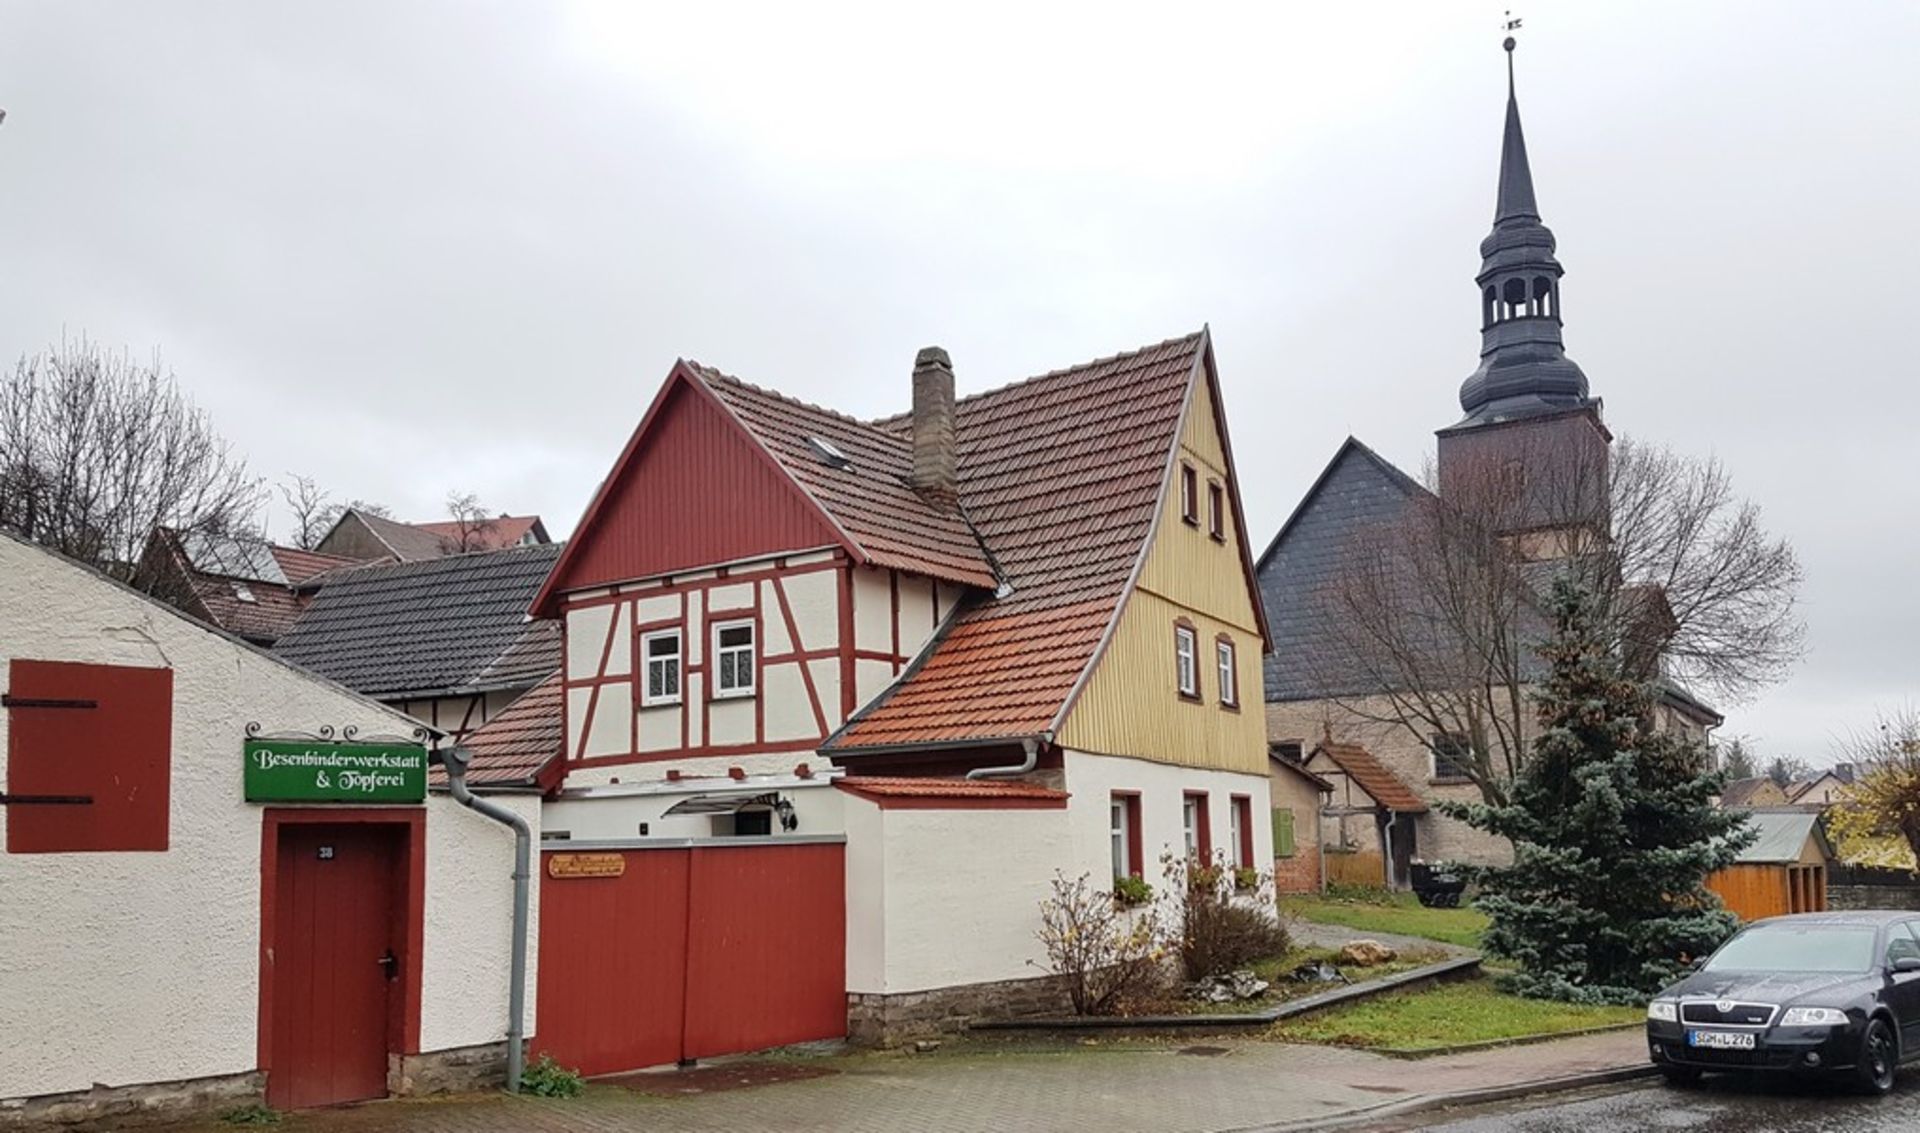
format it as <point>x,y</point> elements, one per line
<point>1112,1088</point>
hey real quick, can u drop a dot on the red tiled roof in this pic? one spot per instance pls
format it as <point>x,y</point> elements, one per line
<point>889,787</point>
<point>299,565</point>
<point>870,499</point>
<point>1062,475</point>
<point>1383,785</point>
<point>497,534</point>
<point>517,746</point>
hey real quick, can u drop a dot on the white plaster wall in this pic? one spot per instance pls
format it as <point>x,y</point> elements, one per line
<point>788,708</point>
<point>870,679</point>
<point>814,599</point>
<point>712,767</point>
<point>1092,779</point>
<point>916,613</point>
<point>586,634</point>
<point>774,641</point>
<point>738,597</point>
<point>730,721</point>
<point>872,610</point>
<point>958,894</point>
<point>124,968</point>
<point>817,808</point>
<point>469,924</point>
<point>611,732</point>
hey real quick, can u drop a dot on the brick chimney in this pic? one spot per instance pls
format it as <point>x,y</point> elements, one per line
<point>935,470</point>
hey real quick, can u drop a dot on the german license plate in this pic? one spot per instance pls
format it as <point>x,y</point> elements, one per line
<point>1721,1040</point>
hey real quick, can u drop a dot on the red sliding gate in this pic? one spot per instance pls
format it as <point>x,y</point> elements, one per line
<point>657,955</point>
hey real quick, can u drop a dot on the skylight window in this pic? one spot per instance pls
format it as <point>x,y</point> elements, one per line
<point>827,454</point>
<point>243,592</point>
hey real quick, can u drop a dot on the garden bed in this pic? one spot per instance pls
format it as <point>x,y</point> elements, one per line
<point>1257,1013</point>
<point>1469,1013</point>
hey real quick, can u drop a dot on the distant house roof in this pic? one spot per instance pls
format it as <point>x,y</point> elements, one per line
<point>521,746</point>
<point>240,584</point>
<point>1783,837</point>
<point>1756,791</point>
<point>496,534</point>
<point>445,626</point>
<point>1278,760</point>
<point>959,791</point>
<point>1380,784</point>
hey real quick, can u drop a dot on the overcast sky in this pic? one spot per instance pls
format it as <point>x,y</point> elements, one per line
<point>413,247</point>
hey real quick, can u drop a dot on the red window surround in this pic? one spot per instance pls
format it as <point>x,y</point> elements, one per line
<point>1136,857</point>
<point>1216,511</point>
<point>99,732</point>
<point>1243,809</point>
<point>1202,825</point>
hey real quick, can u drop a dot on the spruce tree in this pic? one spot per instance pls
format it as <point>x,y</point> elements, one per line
<point>1613,831</point>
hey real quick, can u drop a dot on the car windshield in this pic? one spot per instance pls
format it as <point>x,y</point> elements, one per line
<point>1797,948</point>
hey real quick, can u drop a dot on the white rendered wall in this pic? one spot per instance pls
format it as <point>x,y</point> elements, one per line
<point>1092,779</point>
<point>944,898</point>
<point>126,968</point>
<point>816,808</point>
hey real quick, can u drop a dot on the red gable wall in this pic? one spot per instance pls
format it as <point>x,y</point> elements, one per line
<point>694,490</point>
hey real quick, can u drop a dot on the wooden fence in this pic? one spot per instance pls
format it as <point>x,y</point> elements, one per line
<point>1360,867</point>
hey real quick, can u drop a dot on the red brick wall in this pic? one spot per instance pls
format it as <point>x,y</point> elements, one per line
<point>1299,873</point>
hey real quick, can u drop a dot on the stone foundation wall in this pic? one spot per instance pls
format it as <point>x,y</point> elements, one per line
<point>1873,897</point>
<point>129,1107</point>
<point>886,1020</point>
<point>460,1070</point>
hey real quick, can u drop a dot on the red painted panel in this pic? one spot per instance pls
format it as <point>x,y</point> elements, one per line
<point>118,752</point>
<point>612,964</point>
<point>339,908</point>
<point>767,957</point>
<point>692,490</point>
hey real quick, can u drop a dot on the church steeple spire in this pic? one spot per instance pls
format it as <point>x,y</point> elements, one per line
<point>1524,369</point>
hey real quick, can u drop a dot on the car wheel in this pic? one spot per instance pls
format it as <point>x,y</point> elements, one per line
<point>1681,1075</point>
<point>1879,1058</point>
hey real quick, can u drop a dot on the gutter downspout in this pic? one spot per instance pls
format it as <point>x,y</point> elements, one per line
<point>456,762</point>
<point>1032,747</point>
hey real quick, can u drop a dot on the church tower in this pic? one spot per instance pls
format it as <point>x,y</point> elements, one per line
<point>1531,451</point>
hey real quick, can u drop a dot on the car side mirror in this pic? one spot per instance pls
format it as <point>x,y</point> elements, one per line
<point>1907,964</point>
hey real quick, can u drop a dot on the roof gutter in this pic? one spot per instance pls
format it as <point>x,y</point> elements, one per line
<point>1032,747</point>
<point>456,761</point>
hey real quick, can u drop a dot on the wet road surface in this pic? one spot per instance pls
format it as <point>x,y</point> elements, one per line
<point>1718,1105</point>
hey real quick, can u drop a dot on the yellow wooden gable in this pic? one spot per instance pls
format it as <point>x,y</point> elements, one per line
<point>1132,704</point>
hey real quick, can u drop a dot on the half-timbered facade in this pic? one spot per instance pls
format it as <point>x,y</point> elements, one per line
<point>781,622</point>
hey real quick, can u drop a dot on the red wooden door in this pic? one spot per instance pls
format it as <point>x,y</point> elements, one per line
<point>613,963</point>
<point>335,931</point>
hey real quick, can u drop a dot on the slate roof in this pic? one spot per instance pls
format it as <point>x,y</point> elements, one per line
<point>1381,784</point>
<point>1062,476</point>
<point>870,500</point>
<point>521,746</point>
<point>445,626</point>
<point>1358,490</point>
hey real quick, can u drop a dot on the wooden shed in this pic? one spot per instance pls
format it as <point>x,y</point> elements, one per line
<point>1784,871</point>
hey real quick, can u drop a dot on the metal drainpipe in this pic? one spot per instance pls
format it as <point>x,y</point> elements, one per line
<point>1032,760</point>
<point>456,762</point>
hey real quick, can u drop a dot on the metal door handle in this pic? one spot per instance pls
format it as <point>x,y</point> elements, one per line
<point>391,963</point>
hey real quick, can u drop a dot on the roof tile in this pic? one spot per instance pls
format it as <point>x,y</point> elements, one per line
<point>1374,778</point>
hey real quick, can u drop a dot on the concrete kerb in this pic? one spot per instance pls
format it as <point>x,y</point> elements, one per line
<point>1484,1095</point>
<point>1416,1053</point>
<point>1445,969</point>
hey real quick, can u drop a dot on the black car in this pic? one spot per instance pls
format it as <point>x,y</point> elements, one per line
<point>1813,993</point>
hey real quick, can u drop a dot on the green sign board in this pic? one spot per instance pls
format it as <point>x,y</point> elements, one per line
<point>312,771</point>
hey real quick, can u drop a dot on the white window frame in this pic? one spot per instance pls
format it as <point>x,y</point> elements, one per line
<point>678,661</point>
<point>1225,659</point>
<point>1190,824</point>
<point>1235,835</point>
<point>719,653</point>
<point>1186,661</point>
<point>1433,758</point>
<point>1119,823</point>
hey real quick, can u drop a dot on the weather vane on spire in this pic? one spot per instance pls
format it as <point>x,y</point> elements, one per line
<point>1510,25</point>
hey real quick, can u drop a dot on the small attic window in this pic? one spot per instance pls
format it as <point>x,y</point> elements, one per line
<point>243,592</point>
<point>827,454</point>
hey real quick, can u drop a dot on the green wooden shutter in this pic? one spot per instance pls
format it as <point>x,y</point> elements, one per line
<point>1282,832</point>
